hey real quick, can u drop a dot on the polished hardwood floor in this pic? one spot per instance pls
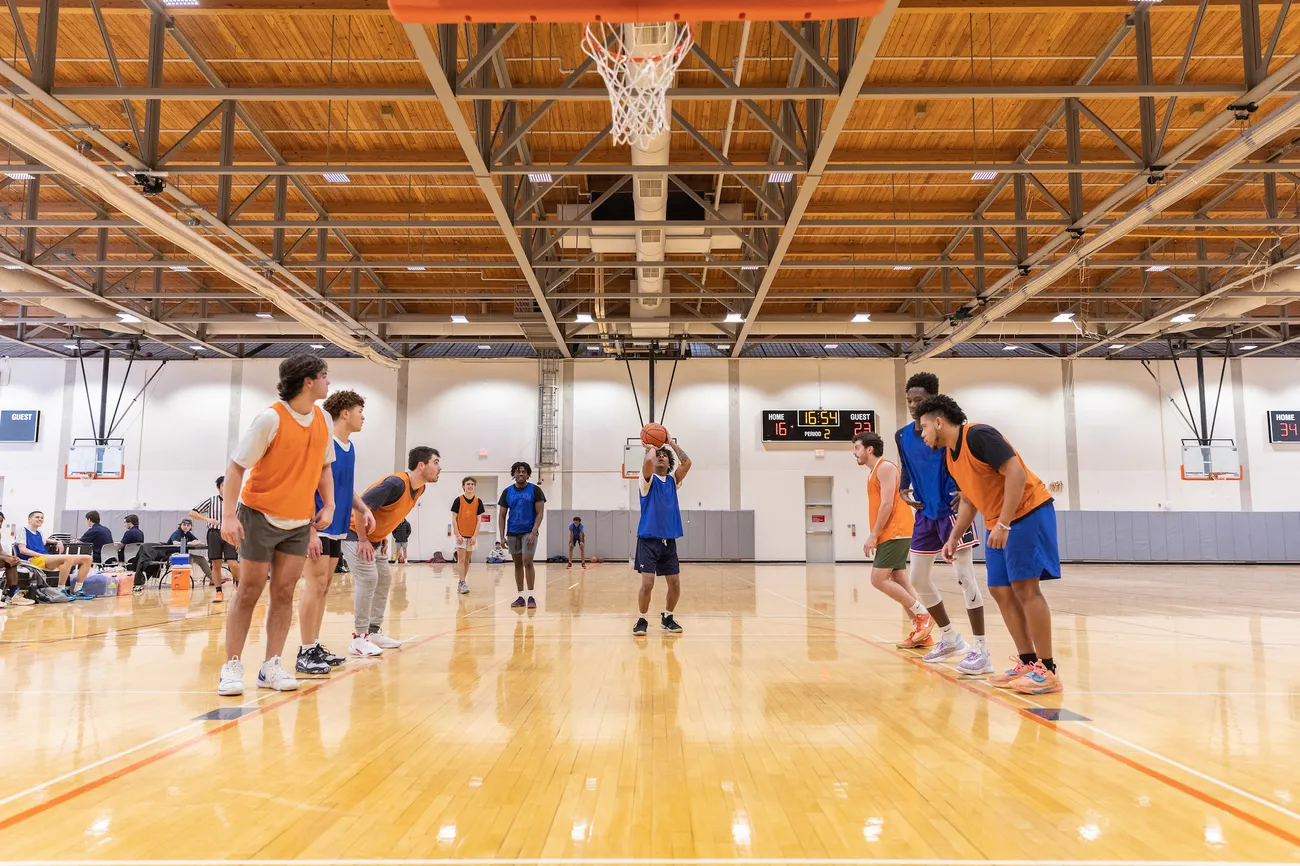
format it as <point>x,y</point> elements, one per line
<point>781,726</point>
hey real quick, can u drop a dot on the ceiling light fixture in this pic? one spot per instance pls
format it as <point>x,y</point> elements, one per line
<point>20,175</point>
<point>72,346</point>
<point>583,318</point>
<point>199,348</point>
<point>128,318</point>
<point>1117,345</point>
<point>724,346</point>
<point>1183,318</point>
<point>170,3</point>
<point>483,348</point>
<point>1248,348</point>
<point>336,177</point>
<point>415,267</point>
<point>984,175</point>
<point>459,320</point>
<point>1157,269</point>
<point>265,316</point>
<point>755,267</point>
<point>1010,348</point>
<point>13,267</point>
<point>902,267</point>
<point>861,317</point>
<point>781,177</point>
<point>182,269</point>
<point>1063,317</point>
<point>539,177</point>
<point>318,345</point>
<point>734,318</point>
<point>831,346</point>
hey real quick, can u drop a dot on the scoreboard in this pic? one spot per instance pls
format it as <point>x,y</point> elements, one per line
<point>816,425</point>
<point>1284,426</point>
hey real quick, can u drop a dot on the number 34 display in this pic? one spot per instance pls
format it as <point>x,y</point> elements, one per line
<point>816,425</point>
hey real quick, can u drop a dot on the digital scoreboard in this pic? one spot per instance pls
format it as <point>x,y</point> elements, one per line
<point>1284,426</point>
<point>816,425</point>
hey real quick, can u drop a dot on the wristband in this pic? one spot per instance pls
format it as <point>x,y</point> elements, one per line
<point>1001,525</point>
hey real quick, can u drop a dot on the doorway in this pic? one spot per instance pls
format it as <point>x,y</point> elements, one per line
<point>819,523</point>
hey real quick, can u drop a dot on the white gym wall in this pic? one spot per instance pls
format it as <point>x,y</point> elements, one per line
<point>178,434</point>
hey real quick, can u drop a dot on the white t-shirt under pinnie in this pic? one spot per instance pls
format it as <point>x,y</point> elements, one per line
<point>258,438</point>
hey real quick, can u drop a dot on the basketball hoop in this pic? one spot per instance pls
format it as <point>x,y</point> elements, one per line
<point>637,81</point>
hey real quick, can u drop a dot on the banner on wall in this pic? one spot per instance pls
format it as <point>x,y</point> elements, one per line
<point>19,425</point>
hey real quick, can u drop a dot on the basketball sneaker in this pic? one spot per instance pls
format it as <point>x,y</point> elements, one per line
<point>639,629</point>
<point>532,603</point>
<point>977,663</point>
<point>232,678</point>
<point>310,662</point>
<point>1004,679</point>
<point>519,602</point>
<point>922,625</point>
<point>383,641</point>
<point>361,646</point>
<point>217,597</point>
<point>19,600</point>
<point>668,624</point>
<point>331,659</point>
<point>1038,680</point>
<point>462,588</point>
<point>945,648</point>
<point>274,676</point>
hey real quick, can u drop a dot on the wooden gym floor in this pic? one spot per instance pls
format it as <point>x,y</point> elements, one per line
<point>781,725</point>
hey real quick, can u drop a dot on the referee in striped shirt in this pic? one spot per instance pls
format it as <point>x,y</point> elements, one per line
<point>209,511</point>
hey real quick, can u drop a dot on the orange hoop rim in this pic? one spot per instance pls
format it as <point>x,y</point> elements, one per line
<point>598,47</point>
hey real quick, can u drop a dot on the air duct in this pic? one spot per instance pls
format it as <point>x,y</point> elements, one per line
<point>1269,287</point>
<point>27,285</point>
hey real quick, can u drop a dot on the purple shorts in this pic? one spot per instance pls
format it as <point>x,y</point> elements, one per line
<point>929,536</point>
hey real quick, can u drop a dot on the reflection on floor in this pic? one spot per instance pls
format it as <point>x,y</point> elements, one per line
<point>781,724</point>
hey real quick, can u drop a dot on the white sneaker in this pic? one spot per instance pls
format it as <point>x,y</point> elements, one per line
<point>383,641</point>
<point>361,646</point>
<point>976,664</point>
<point>945,648</point>
<point>232,678</point>
<point>463,588</point>
<point>274,676</point>
<point>20,600</point>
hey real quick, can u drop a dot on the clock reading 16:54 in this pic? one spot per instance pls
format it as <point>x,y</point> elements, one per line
<point>816,425</point>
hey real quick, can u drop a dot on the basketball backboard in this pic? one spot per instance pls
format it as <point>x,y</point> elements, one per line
<point>96,460</point>
<point>1216,460</point>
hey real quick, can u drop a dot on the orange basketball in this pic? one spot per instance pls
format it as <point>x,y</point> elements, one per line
<point>654,435</point>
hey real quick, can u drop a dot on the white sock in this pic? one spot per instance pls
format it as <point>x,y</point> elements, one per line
<point>950,633</point>
<point>302,648</point>
<point>917,609</point>
<point>978,642</point>
<point>667,613</point>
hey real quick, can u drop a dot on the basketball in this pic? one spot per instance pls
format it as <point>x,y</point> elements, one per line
<point>654,435</point>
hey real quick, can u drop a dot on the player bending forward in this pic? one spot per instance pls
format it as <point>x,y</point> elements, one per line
<point>658,531</point>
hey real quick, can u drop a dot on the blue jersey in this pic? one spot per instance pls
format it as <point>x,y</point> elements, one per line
<point>522,505</point>
<point>925,472</point>
<point>660,515</point>
<point>344,471</point>
<point>35,543</point>
<point>576,531</point>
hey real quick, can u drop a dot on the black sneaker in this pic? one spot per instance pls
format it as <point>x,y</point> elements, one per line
<point>669,624</point>
<point>309,662</point>
<point>328,657</point>
<point>639,629</point>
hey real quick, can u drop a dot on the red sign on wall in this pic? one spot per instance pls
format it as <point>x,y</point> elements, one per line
<point>819,518</point>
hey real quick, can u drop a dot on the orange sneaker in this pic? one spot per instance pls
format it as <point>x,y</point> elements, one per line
<point>1004,679</point>
<point>1038,680</point>
<point>922,625</point>
<point>908,643</point>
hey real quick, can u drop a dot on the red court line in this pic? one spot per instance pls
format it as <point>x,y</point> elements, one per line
<point>87,787</point>
<point>993,697</point>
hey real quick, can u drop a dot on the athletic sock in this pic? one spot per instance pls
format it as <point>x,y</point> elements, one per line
<point>978,642</point>
<point>949,632</point>
<point>1028,658</point>
<point>917,609</point>
<point>1050,665</point>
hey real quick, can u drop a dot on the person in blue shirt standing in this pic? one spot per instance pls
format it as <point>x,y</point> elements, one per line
<point>930,490</point>
<point>578,536</point>
<point>521,507</point>
<point>325,546</point>
<point>658,531</point>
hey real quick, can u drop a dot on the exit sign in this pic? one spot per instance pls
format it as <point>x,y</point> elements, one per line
<point>19,425</point>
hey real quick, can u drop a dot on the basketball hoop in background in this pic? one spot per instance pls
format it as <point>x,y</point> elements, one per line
<point>95,460</point>
<point>1215,460</point>
<point>638,63</point>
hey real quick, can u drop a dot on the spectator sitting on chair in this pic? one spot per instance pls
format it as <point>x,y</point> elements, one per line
<point>32,549</point>
<point>183,534</point>
<point>133,534</point>
<point>96,535</point>
<point>10,594</point>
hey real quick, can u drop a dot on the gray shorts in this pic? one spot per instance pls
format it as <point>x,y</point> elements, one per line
<point>399,545</point>
<point>521,544</point>
<point>262,540</point>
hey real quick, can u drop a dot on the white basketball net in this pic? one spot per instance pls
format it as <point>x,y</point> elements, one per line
<point>637,79</point>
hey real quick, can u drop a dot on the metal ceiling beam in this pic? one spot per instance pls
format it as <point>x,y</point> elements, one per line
<point>853,79</point>
<point>431,62</point>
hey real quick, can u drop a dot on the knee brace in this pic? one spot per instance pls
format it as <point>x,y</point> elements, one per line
<point>964,566</point>
<point>921,581</point>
